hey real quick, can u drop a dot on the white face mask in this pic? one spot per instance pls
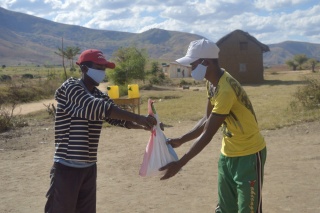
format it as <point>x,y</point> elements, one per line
<point>96,75</point>
<point>199,72</point>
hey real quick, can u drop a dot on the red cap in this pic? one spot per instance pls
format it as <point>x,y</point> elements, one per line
<point>95,56</point>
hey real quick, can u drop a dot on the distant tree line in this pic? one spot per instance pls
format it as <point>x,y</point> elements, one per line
<point>299,60</point>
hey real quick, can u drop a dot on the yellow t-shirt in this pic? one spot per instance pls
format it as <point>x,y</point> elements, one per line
<point>241,134</point>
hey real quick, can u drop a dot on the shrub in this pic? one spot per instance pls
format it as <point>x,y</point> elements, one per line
<point>123,90</point>
<point>27,76</point>
<point>155,80</point>
<point>309,95</point>
<point>5,121</point>
<point>72,69</point>
<point>184,82</point>
<point>9,121</point>
<point>27,91</point>
<point>5,78</point>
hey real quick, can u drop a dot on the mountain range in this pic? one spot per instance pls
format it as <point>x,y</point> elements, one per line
<point>26,39</point>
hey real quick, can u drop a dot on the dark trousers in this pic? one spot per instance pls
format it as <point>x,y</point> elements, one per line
<point>72,190</point>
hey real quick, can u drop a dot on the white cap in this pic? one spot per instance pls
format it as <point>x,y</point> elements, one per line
<point>199,49</point>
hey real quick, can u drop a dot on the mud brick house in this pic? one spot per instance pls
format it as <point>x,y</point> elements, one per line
<point>242,56</point>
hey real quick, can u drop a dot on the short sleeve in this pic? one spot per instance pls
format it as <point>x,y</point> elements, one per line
<point>223,102</point>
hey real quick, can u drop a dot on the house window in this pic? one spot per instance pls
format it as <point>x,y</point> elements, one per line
<point>243,45</point>
<point>242,67</point>
<point>178,70</point>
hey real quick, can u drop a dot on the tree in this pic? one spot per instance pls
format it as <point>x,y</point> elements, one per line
<point>300,59</point>
<point>155,68</point>
<point>313,62</point>
<point>297,61</point>
<point>61,53</point>
<point>157,76</point>
<point>292,64</point>
<point>130,62</point>
<point>70,53</point>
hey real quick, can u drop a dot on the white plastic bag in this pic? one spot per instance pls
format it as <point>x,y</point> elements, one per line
<point>158,153</point>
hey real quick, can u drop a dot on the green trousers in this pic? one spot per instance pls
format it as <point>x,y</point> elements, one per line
<point>240,182</point>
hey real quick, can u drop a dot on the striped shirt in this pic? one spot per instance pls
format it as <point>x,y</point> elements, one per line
<point>78,122</point>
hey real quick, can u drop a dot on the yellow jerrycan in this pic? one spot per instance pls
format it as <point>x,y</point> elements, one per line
<point>113,92</point>
<point>133,91</point>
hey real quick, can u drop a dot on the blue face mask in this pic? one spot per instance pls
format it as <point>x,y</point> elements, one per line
<point>199,72</point>
<point>96,75</point>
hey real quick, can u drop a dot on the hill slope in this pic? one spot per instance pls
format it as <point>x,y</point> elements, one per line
<point>26,39</point>
<point>283,51</point>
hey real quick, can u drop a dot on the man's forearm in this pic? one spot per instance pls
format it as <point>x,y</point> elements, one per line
<point>195,132</point>
<point>117,113</point>
<point>197,147</point>
<point>132,125</point>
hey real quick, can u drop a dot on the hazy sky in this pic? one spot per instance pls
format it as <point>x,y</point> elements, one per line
<point>270,21</point>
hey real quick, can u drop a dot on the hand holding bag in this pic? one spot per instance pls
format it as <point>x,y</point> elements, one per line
<point>158,153</point>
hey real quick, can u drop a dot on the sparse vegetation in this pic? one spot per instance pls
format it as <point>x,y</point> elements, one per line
<point>292,64</point>
<point>51,110</point>
<point>27,90</point>
<point>5,78</point>
<point>308,95</point>
<point>156,75</point>
<point>275,101</point>
<point>8,120</point>
<point>27,76</point>
<point>313,63</point>
<point>184,82</point>
<point>23,88</point>
<point>301,60</point>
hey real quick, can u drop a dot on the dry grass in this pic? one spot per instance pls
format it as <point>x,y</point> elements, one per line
<point>177,105</point>
<point>271,100</point>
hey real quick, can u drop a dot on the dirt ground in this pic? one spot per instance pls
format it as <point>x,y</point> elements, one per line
<point>292,171</point>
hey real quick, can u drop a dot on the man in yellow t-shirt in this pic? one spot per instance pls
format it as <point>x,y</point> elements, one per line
<point>241,135</point>
<point>243,151</point>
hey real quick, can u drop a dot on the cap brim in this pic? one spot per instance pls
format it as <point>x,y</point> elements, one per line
<point>105,63</point>
<point>186,60</point>
<point>110,65</point>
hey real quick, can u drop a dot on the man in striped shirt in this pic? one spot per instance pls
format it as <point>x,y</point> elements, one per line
<point>81,110</point>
